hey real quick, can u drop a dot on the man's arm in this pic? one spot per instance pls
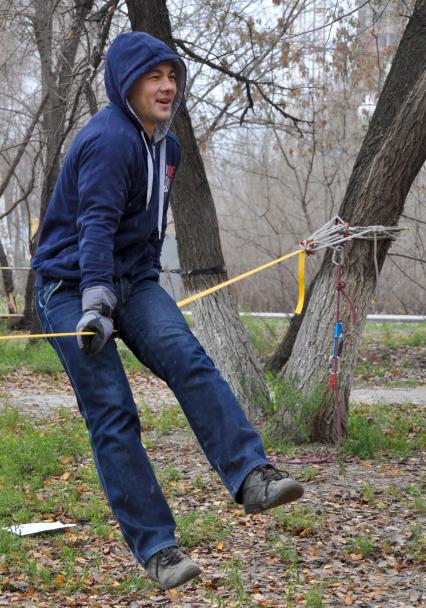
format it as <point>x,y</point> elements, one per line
<point>103,183</point>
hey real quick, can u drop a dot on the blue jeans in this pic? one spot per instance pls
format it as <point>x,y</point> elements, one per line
<point>153,328</point>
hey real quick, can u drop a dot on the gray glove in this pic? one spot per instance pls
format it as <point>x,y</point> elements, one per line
<point>98,305</point>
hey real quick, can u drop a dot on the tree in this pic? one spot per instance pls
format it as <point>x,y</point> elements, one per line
<point>59,74</point>
<point>390,158</point>
<point>4,262</point>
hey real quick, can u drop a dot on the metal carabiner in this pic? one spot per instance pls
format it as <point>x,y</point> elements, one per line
<point>330,364</point>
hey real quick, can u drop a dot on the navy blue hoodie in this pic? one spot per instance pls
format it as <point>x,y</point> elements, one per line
<point>107,214</point>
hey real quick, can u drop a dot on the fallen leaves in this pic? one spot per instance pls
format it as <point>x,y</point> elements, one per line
<point>276,567</point>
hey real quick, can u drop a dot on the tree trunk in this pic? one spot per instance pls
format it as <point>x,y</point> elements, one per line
<point>9,287</point>
<point>408,64</point>
<point>56,85</point>
<point>283,351</point>
<point>216,317</point>
<point>377,190</point>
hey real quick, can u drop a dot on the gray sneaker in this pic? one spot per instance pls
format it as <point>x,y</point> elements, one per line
<point>265,488</point>
<point>171,568</point>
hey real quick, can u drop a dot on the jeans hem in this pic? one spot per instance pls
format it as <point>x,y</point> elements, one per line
<point>156,549</point>
<point>235,488</point>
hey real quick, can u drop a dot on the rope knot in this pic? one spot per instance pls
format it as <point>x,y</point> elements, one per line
<point>308,245</point>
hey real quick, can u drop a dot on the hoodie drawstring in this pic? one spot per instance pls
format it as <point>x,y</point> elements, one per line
<point>161,187</point>
<point>161,175</point>
<point>150,172</point>
<point>161,181</point>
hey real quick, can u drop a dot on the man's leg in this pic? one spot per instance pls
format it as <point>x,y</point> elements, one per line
<point>155,330</point>
<point>106,402</point>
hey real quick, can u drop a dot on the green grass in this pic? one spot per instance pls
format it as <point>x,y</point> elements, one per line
<point>38,356</point>
<point>196,528</point>
<point>291,410</point>
<point>29,455</point>
<point>265,333</point>
<point>382,430</point>
<point>43,476</point>
<point>309,473</point>
<point>170,419</point>
<point>284,549</point>
<point>416,545</point>
<point>313,597</point>
<point>302,520</point>
<point>364,546</point>
<point>392,335</point>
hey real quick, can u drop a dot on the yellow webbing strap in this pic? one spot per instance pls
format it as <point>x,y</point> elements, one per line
<point>196,296</point>
<point>301,279</point>
<point>206,292</point>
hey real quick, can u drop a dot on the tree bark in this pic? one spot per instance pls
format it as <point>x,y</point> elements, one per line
<point>8,281</point>
<point>283,351</point>
<point>390,158</point>
<point>216,317</point>
<point>408,64</point>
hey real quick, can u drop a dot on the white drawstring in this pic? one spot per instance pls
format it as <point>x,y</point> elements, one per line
<point>161,186</point>
<point>150,171</point>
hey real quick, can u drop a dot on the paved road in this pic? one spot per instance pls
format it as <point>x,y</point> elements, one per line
<point>43,404</point>
<point>415,396</point>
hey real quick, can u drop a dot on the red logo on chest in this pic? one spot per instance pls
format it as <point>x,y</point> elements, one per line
<point>170,171</point>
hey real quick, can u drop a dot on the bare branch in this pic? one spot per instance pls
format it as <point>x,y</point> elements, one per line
<point>408,257</point>
<point>414,219</point>
<point>239,77</point>
<point>23,145</point>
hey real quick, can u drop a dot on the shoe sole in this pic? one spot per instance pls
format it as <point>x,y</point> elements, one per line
<point>185,578</point>
<point>290,494</point>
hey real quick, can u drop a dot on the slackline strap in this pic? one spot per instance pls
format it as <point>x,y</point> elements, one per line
<point>196,296</point>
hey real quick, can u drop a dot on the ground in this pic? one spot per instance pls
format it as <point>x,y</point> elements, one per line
<point>355,539</point>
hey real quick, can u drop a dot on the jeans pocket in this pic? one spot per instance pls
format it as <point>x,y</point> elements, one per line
<point>48,291</point>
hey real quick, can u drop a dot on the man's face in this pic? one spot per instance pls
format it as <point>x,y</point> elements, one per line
<point>151,96</point>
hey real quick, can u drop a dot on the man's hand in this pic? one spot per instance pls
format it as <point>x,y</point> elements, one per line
<point>98,305</point>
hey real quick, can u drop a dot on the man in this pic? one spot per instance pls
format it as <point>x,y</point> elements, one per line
<point>97,264</point>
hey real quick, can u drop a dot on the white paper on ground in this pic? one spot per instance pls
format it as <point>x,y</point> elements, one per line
<point>37,528</point>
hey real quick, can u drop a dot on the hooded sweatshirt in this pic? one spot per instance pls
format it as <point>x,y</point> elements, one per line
<point>107,214</point>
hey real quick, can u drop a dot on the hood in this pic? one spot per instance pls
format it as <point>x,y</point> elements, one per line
<point>131,55</point>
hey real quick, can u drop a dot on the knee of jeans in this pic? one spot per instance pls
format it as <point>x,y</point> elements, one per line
<point>175,341</point>
<point>182,359</point>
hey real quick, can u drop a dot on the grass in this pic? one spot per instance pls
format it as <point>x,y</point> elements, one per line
<point>417,495</point>
<point>416,545</point>
<point>392,335</point>
<point>309,473</point>
<point>363,546</point>
<point>29,455</point>
<point>264,333</point>
<point>284,549</point>
<point>293,408</point>
<point>39,356</point>
<point>313,597</point>
<point>379,430</point>
<point>195,528</point>
<point>170,418</point>
<point>46,473</point>
<point>302,520</point>
<point>42,478</point>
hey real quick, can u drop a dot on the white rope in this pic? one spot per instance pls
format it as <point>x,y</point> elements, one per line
<point>335,232</point>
